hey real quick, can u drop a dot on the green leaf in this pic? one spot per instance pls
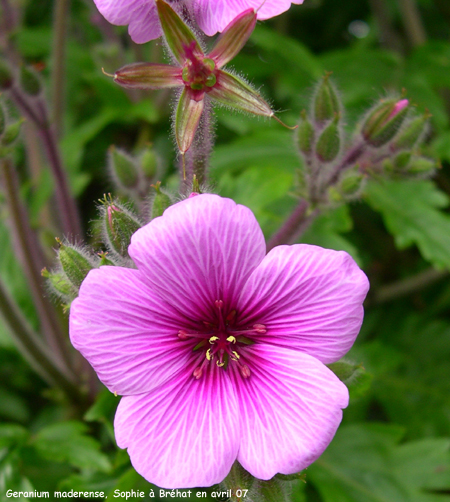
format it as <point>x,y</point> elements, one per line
<point>411,212</point>
<point>69,442</point>
<point>326,231</point>
<point>364,462</point>
<point>263,190</point>
<point>268,145</point>
<point>12,435</point>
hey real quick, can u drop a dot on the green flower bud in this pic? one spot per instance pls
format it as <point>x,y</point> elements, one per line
<point>326,102</point>
<point>6,77</point>
<point>334,195</point>
<point>421,165</point>
<point>119,224</point>
<point>149,162</point>
<point>75,263</point>
<point>411,133</point>
<point>402,160</point>
<point>104,260</point>
<point>305,134</point>
<point>161,201</point>
<point>354,376</point>
<point>351,183</point>
<point>11,132</point>
<point>123,168</point>
<point>30,81</point>
<point>384,121</point>
<point>329,142</point>
<point>60,284</point>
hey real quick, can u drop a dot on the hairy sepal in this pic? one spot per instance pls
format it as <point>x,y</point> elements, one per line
<point>236,93</point>
<point>148,76</point>
<point>233,38</point>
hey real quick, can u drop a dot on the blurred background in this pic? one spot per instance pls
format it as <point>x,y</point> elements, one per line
<point>393,445</point>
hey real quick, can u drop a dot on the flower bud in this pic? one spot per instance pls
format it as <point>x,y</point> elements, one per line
<point>329,142</point>
<point>75,263</point>
<point>161,201</point>
<point>6,77</point>
<point>354,376</point>
<point>119,224</point>
<point>421,165</point>
<point>60,285</point>
<point>104,260</point>
<point>402,160</point>
<point>11,133</point>
<point>30,81</point>
<point>123,169</point>
<point>305,134</point>
<point>149,162</point>
<point>326,102</point>
<point>351,183</point>
<point>384,121</point>
<point>411,133</point>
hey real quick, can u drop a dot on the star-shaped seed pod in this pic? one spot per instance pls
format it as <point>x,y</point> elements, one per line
<point>197,73</point>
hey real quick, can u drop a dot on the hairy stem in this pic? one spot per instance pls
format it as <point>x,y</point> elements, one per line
<point>295,225</point>
<point>33,261</point>
<point>196,161</point>
<point>412,22</point>
<point>33,349</point>
<point>60,17</point>
<point>36,111</point>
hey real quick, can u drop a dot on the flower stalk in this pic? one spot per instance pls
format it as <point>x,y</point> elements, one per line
<point>33,262</point>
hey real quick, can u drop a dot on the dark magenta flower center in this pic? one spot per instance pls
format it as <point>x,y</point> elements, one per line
<point>222,341</point>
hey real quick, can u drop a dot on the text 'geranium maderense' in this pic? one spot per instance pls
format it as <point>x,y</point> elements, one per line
<point>219,350</point>
<point>198,74</point>
<point>210,15</point>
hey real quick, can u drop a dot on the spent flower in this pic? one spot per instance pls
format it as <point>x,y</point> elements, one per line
<point>198,74</point>
<point>219,351</point>
<point>211,16</point>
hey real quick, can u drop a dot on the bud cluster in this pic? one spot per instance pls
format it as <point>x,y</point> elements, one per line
<point>133,175</point>
<point>117,224</point>
<point>73,264</point>
<point>386,143</point>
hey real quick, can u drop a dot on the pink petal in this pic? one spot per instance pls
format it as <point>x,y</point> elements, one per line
<point>183,434</point>
<point>309,299</point>
<point>214,15</point>
<point>140,15</point>
<point>201,250</point>
<point>290,408</point>
<point>127,333</point>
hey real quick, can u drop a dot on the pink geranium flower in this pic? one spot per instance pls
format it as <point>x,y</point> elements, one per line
<point>211,15</point>
<point>218,350</point>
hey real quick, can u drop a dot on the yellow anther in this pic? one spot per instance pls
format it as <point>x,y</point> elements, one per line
<point>236,355</point>
<point>115,394</point>
<point>220,364</point>
<point>208,355</point>
<point>231,339</point>
<point>213,339</point>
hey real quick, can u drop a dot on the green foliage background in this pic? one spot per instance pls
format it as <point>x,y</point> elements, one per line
<point>393,445</point>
